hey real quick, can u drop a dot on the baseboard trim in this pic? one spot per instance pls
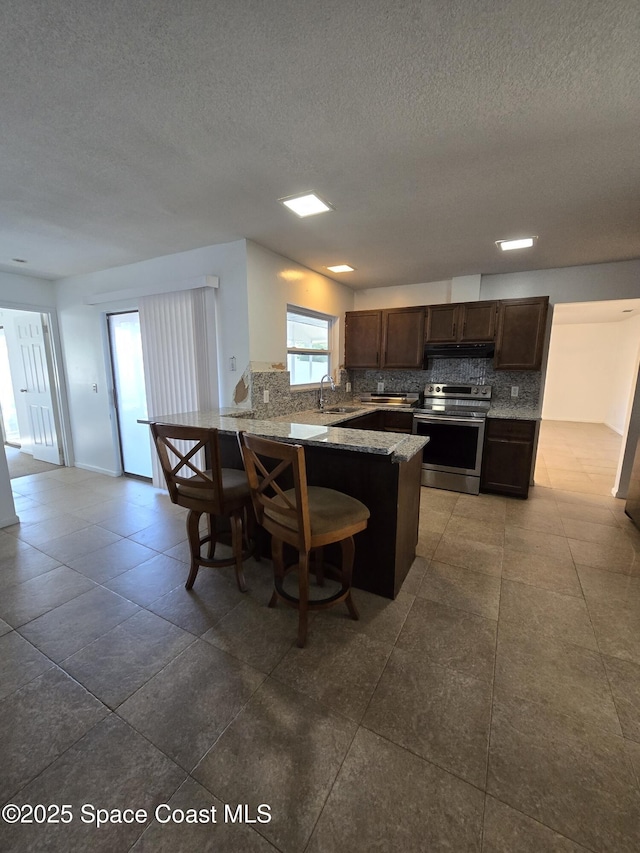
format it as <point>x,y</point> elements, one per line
<point>7,522</point>
<point>97,470</point>
<point>614,428</point>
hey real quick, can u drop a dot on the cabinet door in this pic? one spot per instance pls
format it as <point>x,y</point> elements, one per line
<point>442,323</point>
<point>477,321</point>
<point>521,331</point>
<point>402,337</point>
<point>362,335</point>
<point>507,457</point>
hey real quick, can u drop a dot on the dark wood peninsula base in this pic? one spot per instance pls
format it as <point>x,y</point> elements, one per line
<point>386,550</point>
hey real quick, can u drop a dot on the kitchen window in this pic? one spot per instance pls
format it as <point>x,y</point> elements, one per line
<point>308,346</point>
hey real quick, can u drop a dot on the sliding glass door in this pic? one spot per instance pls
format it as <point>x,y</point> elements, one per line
<point>130,396</point>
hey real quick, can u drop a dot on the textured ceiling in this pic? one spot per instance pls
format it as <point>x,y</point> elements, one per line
<point>137,128</point>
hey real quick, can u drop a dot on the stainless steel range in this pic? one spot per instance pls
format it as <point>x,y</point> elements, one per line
<point>453,416</point>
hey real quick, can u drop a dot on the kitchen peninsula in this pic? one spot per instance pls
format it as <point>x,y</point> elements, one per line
<point>381,469</point>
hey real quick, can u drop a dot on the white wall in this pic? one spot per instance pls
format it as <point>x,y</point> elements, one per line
<point>402,296</point>
<point>620,280</point>
<point>581,358</point>
<point>23,291</point>
<point>273,282</point>
<point>626,349</point>
<point>464,288</point>
<point>83,332</point>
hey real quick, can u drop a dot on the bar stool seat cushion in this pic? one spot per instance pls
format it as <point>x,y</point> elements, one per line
<point>328,510</point>
<point>234,486</point>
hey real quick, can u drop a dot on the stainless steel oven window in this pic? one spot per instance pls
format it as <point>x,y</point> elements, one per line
<point>455,445</point>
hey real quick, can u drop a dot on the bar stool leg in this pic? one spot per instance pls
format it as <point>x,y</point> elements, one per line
<point>193,535</point>
<point>348,553</point>
<point>213,535</point>
<point>303,594</point>
<point>236,544</point>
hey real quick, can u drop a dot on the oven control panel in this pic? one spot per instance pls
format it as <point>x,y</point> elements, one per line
<point>460,392</point>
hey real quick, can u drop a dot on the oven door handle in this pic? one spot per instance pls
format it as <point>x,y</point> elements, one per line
<point>449,420</point>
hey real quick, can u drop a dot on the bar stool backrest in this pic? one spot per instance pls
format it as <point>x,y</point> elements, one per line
<point>190,461</point>
<point>278,481</point>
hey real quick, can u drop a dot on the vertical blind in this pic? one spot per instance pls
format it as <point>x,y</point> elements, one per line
<point>175,348</point>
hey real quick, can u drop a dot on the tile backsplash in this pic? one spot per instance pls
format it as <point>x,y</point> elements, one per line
<point>471,371</point>
<point>284,399</point>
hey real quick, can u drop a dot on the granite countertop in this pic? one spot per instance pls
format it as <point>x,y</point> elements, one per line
<point>311,428</point>
<point>523,414</point>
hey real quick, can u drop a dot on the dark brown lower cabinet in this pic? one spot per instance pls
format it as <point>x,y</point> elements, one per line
<point>508,456</point>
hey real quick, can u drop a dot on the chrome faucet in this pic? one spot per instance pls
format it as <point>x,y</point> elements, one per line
<point>320,393</point>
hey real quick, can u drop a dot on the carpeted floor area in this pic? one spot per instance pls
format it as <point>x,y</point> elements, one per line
<point>22,464</point>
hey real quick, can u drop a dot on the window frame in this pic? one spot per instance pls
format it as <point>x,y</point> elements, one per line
<point>329,352</point>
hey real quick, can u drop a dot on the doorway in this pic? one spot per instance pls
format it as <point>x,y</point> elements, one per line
<point>130,399</point>
<point>10,430</point>
<point>28,390</point>
<point>589,387</point>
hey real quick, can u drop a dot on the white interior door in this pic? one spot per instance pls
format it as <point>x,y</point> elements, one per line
<point>35,388</point>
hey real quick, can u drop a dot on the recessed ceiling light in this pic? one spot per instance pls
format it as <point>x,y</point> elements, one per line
<point>307,204</point>
<point>523,243</point>
<point>19,260</point>
<point>341,268</point>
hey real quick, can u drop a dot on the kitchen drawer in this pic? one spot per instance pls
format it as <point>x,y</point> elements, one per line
<point>512,429</point>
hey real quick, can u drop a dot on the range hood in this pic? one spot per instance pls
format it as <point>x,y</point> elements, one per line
<point>486,350</point>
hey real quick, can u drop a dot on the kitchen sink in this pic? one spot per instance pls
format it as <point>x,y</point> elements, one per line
<point>335,409</point>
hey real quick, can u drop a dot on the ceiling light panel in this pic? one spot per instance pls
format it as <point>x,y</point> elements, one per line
<point>522,243</point>
<point>341,268</point>
<point>308,204</point>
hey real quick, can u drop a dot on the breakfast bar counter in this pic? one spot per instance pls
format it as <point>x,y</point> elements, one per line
<point>381,469</point>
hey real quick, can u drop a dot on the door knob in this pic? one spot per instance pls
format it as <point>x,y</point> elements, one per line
<point>23,390</point>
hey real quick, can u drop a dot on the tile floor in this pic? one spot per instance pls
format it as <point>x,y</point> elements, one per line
<point>493,706</point>
<point>577,457</point>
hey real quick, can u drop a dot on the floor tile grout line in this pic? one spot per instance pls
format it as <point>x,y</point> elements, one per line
<point>604,665</point>
<point>332,786</point>
<point>540,823</point>
<point>493,693</point>
<point>431,761</point>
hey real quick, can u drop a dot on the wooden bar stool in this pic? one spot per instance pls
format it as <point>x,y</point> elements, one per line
<point>212,491</point>
<point>305,517</point>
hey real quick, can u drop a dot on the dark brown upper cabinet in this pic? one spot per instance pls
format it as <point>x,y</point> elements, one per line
<point>477,321</point>
<point>402,337</point>
<point>362,334</point>
<point>393,338</point>
<point>521,333</point>
<point>461,322</point>
<point>442,324</point>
